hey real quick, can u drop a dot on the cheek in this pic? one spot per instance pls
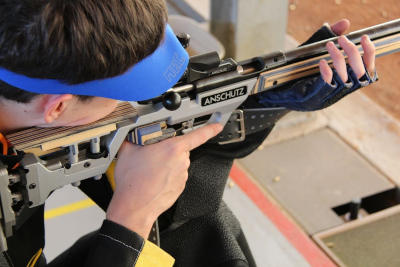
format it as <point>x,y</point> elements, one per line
<point>93,112</point>
<point>108,107</point>
<point>101,110</point>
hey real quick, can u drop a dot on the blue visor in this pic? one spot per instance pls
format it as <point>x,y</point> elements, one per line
<point>145,80</point>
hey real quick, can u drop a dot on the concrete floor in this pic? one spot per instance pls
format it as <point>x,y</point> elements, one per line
<point>307,176</point>
<point>63,230</point>
<point>316,172</point>
<point>269,246</point>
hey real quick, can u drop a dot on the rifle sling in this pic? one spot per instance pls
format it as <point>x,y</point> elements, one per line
<point>154,235</point>
<point>253,120</point>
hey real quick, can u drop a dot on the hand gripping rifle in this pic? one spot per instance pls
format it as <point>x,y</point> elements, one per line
<point>210,91</point>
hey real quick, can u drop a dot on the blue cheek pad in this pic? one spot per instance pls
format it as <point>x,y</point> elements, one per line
<point>145,80</point>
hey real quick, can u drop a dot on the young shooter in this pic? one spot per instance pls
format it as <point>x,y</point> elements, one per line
<point>86,49</point>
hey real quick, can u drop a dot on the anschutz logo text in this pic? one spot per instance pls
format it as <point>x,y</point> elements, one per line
<point>223,96</point>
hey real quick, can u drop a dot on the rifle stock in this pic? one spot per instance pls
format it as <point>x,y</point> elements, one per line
<point>210,91</point>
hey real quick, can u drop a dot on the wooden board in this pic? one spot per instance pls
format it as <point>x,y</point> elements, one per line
<point>370,130</point>
<point>370,241</point>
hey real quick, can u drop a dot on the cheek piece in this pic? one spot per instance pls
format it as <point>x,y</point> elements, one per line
<point>147,79</point>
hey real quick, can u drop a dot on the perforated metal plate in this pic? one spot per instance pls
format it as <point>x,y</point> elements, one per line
<point>311,174</point>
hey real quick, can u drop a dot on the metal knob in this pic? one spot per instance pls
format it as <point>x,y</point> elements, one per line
<point>184,39</point>
<point>172,101</point>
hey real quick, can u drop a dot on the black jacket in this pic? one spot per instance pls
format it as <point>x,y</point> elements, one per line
<point>198,224</point>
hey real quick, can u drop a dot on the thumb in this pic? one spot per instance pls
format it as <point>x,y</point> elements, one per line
<point>127,147</point>
<point>340,27</point>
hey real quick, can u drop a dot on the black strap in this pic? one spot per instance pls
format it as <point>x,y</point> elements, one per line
<point>5,260</point>
<point>154,235</point>
<point>254,120</point>
<point>232,130</point>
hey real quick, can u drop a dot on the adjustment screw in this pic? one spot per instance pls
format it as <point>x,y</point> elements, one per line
<point>184,39</point>
<point>32,186</point>
<point>86,165</point>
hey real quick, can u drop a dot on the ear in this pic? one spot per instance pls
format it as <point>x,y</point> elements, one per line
<point>54,106</point>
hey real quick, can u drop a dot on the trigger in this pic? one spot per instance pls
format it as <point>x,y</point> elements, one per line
<point>150,134</point>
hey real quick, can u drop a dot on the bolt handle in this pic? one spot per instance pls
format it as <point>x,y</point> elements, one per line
<point>172,100</point>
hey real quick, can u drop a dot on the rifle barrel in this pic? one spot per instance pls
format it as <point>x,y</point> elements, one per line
<point>294,64</point>
<point>304,61</point>
<point>375,33</point>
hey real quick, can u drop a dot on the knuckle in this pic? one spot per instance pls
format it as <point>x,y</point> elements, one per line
<point>176,149</point>
<point>353,48</point>
<point>182,188</point>
<point>187,163</point>
<point>125,147</point>
<point>358,69</point>
<point>371,49</point>
<point>351,44</point>
<point>172,151</point>
<point>360,74</point>
<point>182,182</point>
<point>344,76</point>
<point>337,52</point>
<point>203,138</point>
<point>201,135</point>
<point>338,58</point>
<point>185,175</point>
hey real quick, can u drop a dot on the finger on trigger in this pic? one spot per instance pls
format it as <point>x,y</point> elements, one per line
<point>200,136</point>
<point>369,53</point>
<point>326,71</point>
<point>354,57</point>
<point>338,61</point>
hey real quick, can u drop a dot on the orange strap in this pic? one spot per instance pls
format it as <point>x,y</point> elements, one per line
<point>4,142</point>
<point>5,146</point>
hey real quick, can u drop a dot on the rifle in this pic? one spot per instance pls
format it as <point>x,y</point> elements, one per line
<point>211,90</point>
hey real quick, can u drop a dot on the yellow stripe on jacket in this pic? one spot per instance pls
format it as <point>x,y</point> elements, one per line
<point>154,256</point>
<point>34,258</point>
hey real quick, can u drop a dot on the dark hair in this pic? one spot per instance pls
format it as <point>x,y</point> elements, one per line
<point>76,40</point>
